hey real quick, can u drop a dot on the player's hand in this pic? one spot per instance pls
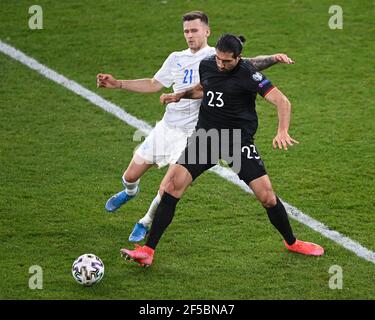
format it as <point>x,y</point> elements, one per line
<point>282,140</point>
<point>166,98</point>
<point>106,81</point>
<point>283,58</point>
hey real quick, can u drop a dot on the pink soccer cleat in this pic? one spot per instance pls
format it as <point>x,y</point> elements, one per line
<point>306,248</point>
<point>142,255</point>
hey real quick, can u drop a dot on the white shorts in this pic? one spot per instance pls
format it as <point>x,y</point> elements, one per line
<point>163,145</point>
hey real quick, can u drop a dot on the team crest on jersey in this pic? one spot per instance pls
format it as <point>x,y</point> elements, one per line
<point>257,76</point>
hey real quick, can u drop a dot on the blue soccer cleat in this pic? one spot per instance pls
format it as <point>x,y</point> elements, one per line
<point>139,232</point>
<point>117,200</point>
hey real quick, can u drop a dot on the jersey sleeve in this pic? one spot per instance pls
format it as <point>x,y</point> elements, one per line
<point>165,75</point>
<point>260,83</point>
<point>202,68</point>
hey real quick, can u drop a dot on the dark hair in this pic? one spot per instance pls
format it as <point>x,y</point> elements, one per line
<point>193,15</point>
<point>230,43</point>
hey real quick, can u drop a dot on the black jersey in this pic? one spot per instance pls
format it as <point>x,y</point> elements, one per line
<point>229,97</point>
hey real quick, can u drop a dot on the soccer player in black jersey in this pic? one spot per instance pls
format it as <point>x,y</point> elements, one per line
<point>228,88</point>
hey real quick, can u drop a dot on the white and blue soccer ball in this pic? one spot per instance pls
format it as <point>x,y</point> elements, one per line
<point>88,269</point>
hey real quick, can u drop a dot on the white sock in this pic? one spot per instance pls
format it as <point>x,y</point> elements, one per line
<point>149,217</point>
<point>131,188</point>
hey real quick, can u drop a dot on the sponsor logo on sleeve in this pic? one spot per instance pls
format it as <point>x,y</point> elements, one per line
<point>263,83</point>
<point>257,76</point>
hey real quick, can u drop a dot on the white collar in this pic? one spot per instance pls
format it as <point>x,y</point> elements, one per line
<point>199,52</point>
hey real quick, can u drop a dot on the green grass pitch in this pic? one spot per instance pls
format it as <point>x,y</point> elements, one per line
<point>62,157</point>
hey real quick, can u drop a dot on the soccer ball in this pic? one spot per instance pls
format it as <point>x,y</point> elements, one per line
<point>88,269</point>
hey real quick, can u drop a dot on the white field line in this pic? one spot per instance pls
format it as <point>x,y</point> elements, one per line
<point>227,174</point>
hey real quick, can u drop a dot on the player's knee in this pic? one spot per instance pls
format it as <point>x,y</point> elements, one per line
<point>130,176</point>
<point>175,187</point>
<point>161,189</point>
<point>267,199</point>
<point>170,187</point>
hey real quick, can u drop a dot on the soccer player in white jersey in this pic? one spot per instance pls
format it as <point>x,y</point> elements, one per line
<point>167,140</point>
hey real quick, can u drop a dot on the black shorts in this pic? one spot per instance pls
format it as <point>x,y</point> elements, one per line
<point>242,157</point>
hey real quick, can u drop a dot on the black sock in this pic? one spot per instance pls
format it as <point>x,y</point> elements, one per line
<point>163,217</point>
<point>279,218</point>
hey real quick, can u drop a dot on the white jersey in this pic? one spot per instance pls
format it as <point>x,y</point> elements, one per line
<point>181,69</point>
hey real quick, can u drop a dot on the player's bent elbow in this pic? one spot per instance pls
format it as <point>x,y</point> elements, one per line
<point>287,102</point>
<point>284,101</point>
<point>155,86</point>
<point>284,104</point>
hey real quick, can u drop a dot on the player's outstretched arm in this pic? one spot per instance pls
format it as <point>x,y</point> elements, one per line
<point>138,85</point>
<point>264,62</point>
<point>192,93</point>
<point>284,108</point>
